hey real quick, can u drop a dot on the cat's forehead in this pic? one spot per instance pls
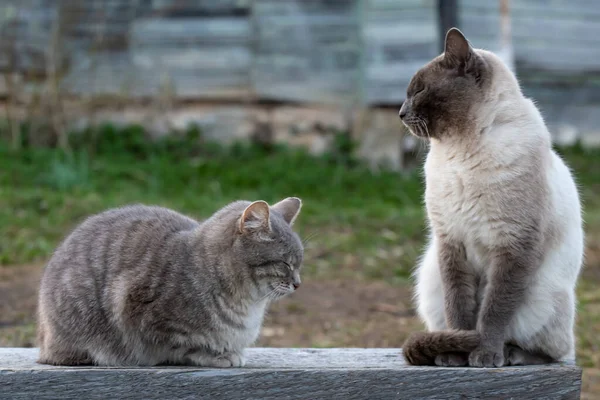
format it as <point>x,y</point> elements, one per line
<point>290,241</point>
<point>429,73</point>
<point>284,233</point>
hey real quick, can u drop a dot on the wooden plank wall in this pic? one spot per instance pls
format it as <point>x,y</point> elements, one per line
<point>558,35</point>
<point>557,54</point>
<point>96,38</point>
<point>340,51</point>
<point>194,48</point>
<point>307,50</point>
<point>345,51</point>
<point>25,31</point>
<point>399,38</point>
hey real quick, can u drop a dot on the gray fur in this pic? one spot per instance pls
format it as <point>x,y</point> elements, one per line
<point>145,285</point>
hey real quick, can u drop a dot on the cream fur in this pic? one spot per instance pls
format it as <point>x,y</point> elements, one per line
<point>474,185</point>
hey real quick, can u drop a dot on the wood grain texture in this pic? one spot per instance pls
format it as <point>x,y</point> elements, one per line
<point>338,52</point>
<point>307,51</point>
<point>273,373</point>
<point>562,36</point>
<point>398,38</point>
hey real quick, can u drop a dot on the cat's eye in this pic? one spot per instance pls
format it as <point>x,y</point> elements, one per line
<point>421,90</point>
<point>288,265</point>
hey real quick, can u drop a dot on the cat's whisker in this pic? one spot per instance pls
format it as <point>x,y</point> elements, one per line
<point>282,289</point>
<point>421,130</point>
<point>309,237</point>
<point>423,125</point>
<point>267,296</point>
<point>417,126</point>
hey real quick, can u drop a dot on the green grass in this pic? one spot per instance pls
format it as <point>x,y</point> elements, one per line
<point>359,222</point>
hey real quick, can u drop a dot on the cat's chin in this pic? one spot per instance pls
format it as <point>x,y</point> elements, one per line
<point>281,295</point>
<point>416,131</point>
<point>279,291</point>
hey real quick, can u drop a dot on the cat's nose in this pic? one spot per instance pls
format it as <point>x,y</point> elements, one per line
<point>296,280</point>
<point>403,111</point>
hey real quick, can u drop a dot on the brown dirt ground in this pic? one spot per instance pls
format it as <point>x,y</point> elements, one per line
<point>338,313</point>
<point>321,314</point>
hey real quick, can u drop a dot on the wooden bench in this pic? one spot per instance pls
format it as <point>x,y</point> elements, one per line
<point>282,374</point>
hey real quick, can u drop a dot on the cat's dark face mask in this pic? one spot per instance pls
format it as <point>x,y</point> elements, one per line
<point>441,95</point>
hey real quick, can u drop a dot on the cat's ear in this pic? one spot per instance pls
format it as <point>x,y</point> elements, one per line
<point>289,208</point>
<point>255,217</point>
<point>457,50</point>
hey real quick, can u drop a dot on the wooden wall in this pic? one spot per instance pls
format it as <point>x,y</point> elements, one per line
<point>25,31</point>
<point>316,51</point>
<point>557,55</point>
<point>399,38</point>
<point>558,35</point>
<point>192,47</point>
<point>341,52</point>
<point>307,50</point>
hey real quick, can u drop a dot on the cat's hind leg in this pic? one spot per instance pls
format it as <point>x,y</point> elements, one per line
<point>58,351</point>
<point>55,355</point>
<point>429,293</point>
<point>514,355</point>
<point>553,341</point>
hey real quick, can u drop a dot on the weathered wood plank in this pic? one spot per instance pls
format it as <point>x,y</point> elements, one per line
<point>195,7</point>
<point>25,28</point>
<point>560,37</point>
<point>177,31</point>
<point>540,8</point>
<point>552,32</point>
<point>273,373</point>
<point>307,50</point>
<point>399,37</point>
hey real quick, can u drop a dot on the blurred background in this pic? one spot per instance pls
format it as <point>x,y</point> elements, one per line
<point>191,104</point>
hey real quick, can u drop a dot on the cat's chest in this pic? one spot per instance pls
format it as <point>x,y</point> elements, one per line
<point>460,204</point>
<point>248,329</point>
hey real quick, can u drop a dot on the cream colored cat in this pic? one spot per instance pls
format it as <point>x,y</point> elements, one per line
<point>496,285</point>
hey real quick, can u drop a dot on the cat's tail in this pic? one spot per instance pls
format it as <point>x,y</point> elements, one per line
<point>421,348</point>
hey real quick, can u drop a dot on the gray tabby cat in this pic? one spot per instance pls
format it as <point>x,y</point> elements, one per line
<point>497,282</point>
<point>143,285</point>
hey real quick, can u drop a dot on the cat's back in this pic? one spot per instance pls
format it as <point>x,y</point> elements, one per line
<point>566,217</point>
<point>140,212</point>
<point>98,265</point>
<point>119,235</point>
<point>135,218</point>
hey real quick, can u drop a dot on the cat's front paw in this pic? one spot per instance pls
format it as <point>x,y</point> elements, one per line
<point>487,357</point>
<point>227,360</point>
<point>237,360</point>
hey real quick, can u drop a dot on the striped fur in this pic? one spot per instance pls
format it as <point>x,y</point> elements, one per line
<point>145,285</point>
